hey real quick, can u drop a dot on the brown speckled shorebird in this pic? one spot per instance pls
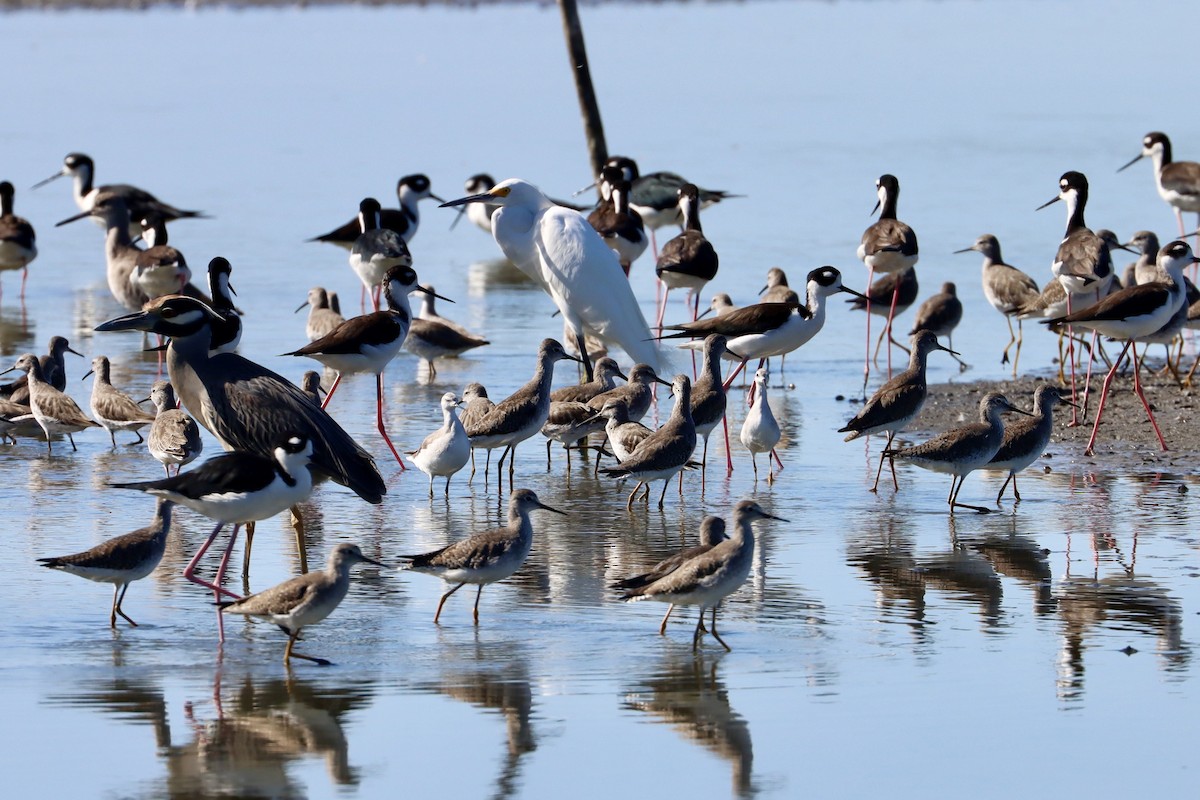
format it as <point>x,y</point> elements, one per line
<point>1025,439</point>
<point>174,437</point>
<point>114,409</point>
<point>55,412</point>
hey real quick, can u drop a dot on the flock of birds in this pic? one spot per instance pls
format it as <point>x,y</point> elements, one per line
<point>281,441</point>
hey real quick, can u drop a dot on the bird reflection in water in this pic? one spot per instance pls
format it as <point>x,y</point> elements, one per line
<point>686,693</point>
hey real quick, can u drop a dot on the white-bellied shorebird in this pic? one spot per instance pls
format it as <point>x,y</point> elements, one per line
<point>1006,288</point>
<point>410,191</point>
<point>55,412</point>
<point>174,437</point>
<point>1025,439</point>
<point>941,313</point>
<point>112,408</point>
<point>445,451</point>
<point>1178,182</point>
<point>689,261</point>
<point>666,451</point>
<point>760,430</point>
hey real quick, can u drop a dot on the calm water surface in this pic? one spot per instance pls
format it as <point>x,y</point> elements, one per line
<point>878,646</point>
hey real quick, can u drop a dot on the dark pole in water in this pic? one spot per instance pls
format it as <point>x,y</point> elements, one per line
<point>592,126</point>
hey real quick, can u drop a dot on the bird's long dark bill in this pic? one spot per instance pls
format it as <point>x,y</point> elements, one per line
<point>876,208</point>
<point>660,380</point>
<point>421,289</point>
<point>1015,410</point>
<point>473,198</point>
<point>548,508</point>
<point>366,560</point>
<point>78,216</point>
<point>848,290</point>
<point>1130,164</point>
<point>86,375</point>
<point>777,519</point>
<point>137,321</point>
<point>1047,203</point>
<point>964,250</point>
<point>948,350</point>
<point>76,352</point>
<point>52,177</point>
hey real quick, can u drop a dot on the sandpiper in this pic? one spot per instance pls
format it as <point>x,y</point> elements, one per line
<point>121,560</point>
<point>55,412</point>
<point>476,405</point>
<point>1025,439</point>
<point>709,578</point>
<point>637,393</point>
<point>960,451</point>
<point>760,432</point>
<point>689,261</point>
<point>18,240</point>
<point>606,372</point>
<point>486,557</point>
<point>174,437</point>
<point>304,600</point>
<point>708,397</point>
<point>114,409</point>
<point>1007,288</point>
<point>321,318</point>
<point>665,452</point>
<point>897,403</point>
<point>54,370</point>
<point>430,340</point>
<point>941,314</point>
<point>446,450</point>
<point>887,245</point>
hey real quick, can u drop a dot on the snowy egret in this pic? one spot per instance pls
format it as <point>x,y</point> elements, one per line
<point>562,253</point>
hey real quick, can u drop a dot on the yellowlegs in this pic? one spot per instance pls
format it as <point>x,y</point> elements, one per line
<point>410,191</point>
<point>111,407</point>
<point>709,578</point>
<point>304,600</point>
<point>606,372</point>
<point>322,320</point>
<point>54,371</point>
<point>18,241</point>
<point>1145,269</point>
<point>721,304</point>
<point>960,451</point>
<point>563,254</point>
<point>237,488</point>
<point>897,403</point>
<point>624,435</point>
<point>476,406</point>
<point>310,383</point>
<point>174,437</point>
<point>55,412</point>
<point>708,397</point>
<point>376,251</point>
<point>428,311</point>
<point>776,289</point>
<point>1025,439</point>
<point>1178,182</point>
<point>486,557</point>
<point>637,393</point>
<point>887,245</point>
<point>689,261</point>
<point>666,451</point>
<point>446,450</point>
<point>941,314</point>
<point>760,431</point>
<point>712,533</point>
<point>121,560</point>
<point>1007,288</point>
<point>370,342</point>
<point>568,423</point>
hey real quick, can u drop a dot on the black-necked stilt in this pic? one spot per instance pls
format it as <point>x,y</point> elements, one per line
<point>140,202</point>
<point>227,328</point>
<point>410,191</point>
<point>709,578</point>
<point>689,261</point>
<point>606,371</point>
<point>174,437</point>
<point>522,414</point>
<point>903,287</point>
<point>304,600</point>
<point>941,314</point>
<point>486,557</point>
<point>322,320</point>
<point>563,254</point>
<point>55,412</point>
<point>655,195</point>
<point>960,451</point>
<point>666,451</point>
<point>18,241</point>
<point>237,488</point>
<point>1134,312</point>
<point>1178,182</point>
<point>370,342</point>
<point>1007,288</point>
<point>54,371</point>
<point>760,430</point>
<point>121,560</point>
<point>887,245</point>
<point>376,251</point>
<point>712,533</point>
<point>1025,439</point>
<point>112,408</point>
<point>620,226</point>
<point>897,403</point>
<point>445,451</point>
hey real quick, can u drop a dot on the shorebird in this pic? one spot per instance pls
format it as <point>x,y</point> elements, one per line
<point>606,373</point>
<point>410,191</point>
<point>18,240</point>
<point>709,578</point>
<point>162,269</point>
<point>304,600</point>
<point>563,254</point>
<point>887,245</point>
<point>655,195</point>
<point>237,488</point>
<point>1007,288</point>
<point>54,371</point>
<point>523,413</point>
<point>637,393</point>
<point>1025,439</point>
<point>245,405</point>
<point>960,451</point>
<point>121,560</point>
<point>428,310</point>
<point>55,412</point>
<point>1178,182</point>
<point>760,431</point>
<point>429,340</point>
<point>897,403</point>
<point>712,533</point>
<point>568,422</point>
<point>486,557</point>
<point>941,314</point>
<point>376,251</point>
<point>227,328</point>
<point>1134,312</point>
<point>708,397</point>
<point>112,408</point>
<point>475,407</point>
<point>322,320</point>
<point>310,383</point>
<point>1145,269</point>
<point>689,261</point>
<point>10,428</point>
<point>446,450</point>
<point>174,437</point>
<point>624,435</point>
<point>902,286</point>
<point>666,451</point>
<point>721,304</point>
<point>620,227</point>
<point>776,289</point>
<point>369,343</point>
<point>140,202</point>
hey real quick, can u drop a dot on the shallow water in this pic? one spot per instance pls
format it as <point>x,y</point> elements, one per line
<point>879,645</point>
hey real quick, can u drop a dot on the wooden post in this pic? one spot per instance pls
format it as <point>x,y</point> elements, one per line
<point>593,128</point>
